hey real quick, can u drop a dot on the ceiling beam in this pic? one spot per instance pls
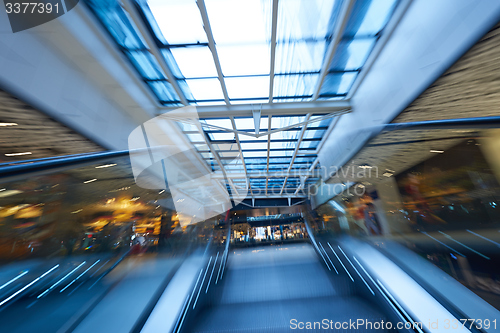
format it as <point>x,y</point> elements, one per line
<point>268,148</point>
<point>301,186</point>
<point>274,28</point>
<point>344,15</point>
<point>233,124</point>
<point>275,109</point>
<point>211,45</point>
<point>297,147</point>
<point>216,156</point>
<point>151,45</point>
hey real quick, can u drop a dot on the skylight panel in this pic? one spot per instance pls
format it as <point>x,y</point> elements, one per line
<point>195,62</point>
<point>179,21</point>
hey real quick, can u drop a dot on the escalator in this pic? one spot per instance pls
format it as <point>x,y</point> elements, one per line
<point>279,288</point>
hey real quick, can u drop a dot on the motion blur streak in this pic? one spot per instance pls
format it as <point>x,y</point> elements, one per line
<point>27,286</point>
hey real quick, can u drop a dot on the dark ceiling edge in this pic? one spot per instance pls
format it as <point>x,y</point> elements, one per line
<point>452,62</point>
<point>29,102</point>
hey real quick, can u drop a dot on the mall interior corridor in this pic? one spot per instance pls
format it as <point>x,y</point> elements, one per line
<point>250,166</point>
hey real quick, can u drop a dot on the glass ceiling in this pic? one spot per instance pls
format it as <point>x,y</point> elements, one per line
<point>242,31</point>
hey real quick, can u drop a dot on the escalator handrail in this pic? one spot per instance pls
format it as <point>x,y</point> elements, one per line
<point>26,167</point>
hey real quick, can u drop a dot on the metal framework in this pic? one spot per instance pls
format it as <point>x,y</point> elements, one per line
<point>302,126</point>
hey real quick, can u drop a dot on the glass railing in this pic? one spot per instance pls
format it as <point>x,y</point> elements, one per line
<point>433,190</point>
<point>72,228</point>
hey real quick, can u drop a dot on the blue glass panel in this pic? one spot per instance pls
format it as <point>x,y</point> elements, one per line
<point>280,160</point>
<point>294,85</point>
<point>337,83</point>
<point>146,64</point>
<point>257,167</point>
<point>254,154</point>
<point>281,153</point>
<point>117,22</point>
<point>221,122</point>
<point>313,134</point>
<point>247,87</point>
<point>163,90</point>
<point>306,19</point>
<point>255,161</point>
<point>249,101</point>
<point>299,56</point>
<point>368,17</point>
<point>237,60</point>
<point>179,20</point>
<point>205,88</point>
<point>195,62</point>
<point>305,159</point>
<point>253,145</point>
<point>352,55</point>
<point>278,145</point>
<point>172,64</point>
<point>281,121</point>
<point>221,136</point>
<point>309,144</point>
<point>240,21</point>
<point>185,89</point>
<point>216,102</point>
<point>322,123</point>
<point>248,123</point>
<point>197,137</point>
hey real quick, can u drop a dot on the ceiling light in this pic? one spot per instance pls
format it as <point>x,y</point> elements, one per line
<point>9,193</point>
<point>387,174</point>
<point>7,124</point>
<point>436,151</point>
<point>77,211</point>
<point>89,181</point>
<point>19,154</point>
<point>365,166</point>
<point>105,166</point>
<point>161,191</point>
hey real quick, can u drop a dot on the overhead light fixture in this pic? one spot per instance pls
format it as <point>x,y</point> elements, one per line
<point>161,191</point>
<point>7,124</point>
<point>8,193</point>
<point>365,166</point>
<point>77,211</point>
<point>135,199</point>
<point>436,151</point>
<point>90,181</point>
<point>18,154</point>
<point>105,166</point>
<point>389,170</point>
<point>387,174</point>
